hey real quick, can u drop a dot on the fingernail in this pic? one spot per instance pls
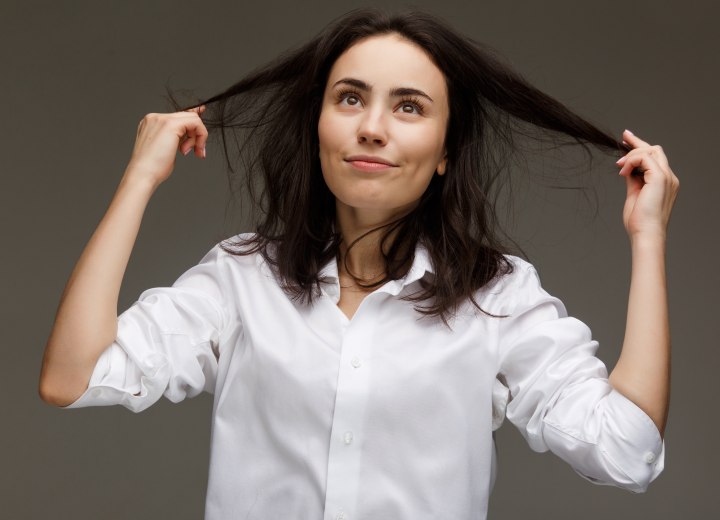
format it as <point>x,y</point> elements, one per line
<point>187,151</point>
<point>203,152</point>
<point>622,159</point>
<point>629,132</point>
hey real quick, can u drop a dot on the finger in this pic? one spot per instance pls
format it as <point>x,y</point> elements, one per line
<point>654,151</point>
<point>643,163</point>
<point>633,140</point>
<point>187,145</point>
<point>633,184</point>
<point>200,135</point>
<point>197,138</point>
<point>631,170</point>
<point>199,109</point>
<point>187,139</point>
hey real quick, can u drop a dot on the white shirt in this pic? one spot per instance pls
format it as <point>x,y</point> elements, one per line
<point>378,417</point>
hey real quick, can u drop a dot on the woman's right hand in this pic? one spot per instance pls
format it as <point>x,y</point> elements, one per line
<point>160,137</point>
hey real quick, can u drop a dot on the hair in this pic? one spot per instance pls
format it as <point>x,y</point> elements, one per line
<point>271,116</point>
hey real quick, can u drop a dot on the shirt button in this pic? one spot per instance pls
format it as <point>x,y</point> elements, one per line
<point>348,437</point>
<point>341,516</point>
<point>649,457</point>
<point>356,362</point>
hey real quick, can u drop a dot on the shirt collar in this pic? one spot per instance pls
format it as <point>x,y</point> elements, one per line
<point>421,265</point>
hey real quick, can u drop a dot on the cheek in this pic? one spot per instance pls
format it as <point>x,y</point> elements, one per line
<point>424,146</point>
<point>327,137</point>
<point>328,132</point>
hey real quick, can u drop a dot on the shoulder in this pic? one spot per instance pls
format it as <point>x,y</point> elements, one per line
<point>244,254</point>
<point>506,291</point>
<point>237,249</point>
<point>520,265</point>
<point>521,274</point>
<point>222,262</point>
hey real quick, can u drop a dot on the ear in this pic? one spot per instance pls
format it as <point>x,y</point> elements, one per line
<point>442,165</point>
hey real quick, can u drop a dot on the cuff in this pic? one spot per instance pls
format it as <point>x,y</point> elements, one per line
<point>106,388</point>
<point>612,443</point>
<point>632,441</point>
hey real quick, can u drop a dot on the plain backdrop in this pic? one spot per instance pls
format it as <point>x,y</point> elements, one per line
<point>78,76</point>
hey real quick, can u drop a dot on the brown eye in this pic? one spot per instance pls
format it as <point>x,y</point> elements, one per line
<point>413,104</point>
<point>345,95</point>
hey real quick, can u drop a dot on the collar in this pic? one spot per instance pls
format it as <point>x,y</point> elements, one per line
<point>421,265</point>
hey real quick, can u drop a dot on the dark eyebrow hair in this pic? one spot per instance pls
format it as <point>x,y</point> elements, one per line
<point>397,91</point>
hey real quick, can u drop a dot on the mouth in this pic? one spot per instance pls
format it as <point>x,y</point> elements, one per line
<point>369,163</point>
<point>369,166</point>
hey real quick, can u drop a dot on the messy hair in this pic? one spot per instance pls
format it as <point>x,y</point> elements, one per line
<point>268,124</point>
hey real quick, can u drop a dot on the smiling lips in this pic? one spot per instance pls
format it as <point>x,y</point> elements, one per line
<point>369,163</point>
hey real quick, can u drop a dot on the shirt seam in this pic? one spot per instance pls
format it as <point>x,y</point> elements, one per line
<point>502,353</point>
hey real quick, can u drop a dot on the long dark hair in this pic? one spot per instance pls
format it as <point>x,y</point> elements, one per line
<point>271,118</point>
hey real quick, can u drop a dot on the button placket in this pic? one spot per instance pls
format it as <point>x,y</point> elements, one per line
<point>349,413</point>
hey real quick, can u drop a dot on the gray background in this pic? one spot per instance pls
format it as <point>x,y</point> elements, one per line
<point>76,79</point>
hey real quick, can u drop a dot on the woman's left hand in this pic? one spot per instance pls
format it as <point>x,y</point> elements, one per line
<point>650,196</point>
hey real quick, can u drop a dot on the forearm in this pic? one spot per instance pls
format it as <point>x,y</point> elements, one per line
<point>86,319</point>
<point>642,373</point>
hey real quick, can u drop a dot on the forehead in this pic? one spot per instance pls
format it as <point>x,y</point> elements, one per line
<point>387,61</point>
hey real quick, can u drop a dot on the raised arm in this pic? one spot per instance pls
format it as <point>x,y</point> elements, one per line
<point>642,373</point>
<point>86,319</point>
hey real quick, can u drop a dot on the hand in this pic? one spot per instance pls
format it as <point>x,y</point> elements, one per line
<point>158,138</point>
<point>650,195</point>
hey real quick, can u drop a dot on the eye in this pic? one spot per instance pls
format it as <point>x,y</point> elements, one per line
<point>353,99</point>
<point>352,96</point>
<point>412,103</point>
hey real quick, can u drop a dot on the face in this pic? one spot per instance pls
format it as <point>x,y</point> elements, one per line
<point>385,99</point>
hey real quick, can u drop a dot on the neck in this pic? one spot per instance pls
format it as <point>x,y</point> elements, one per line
<point>365,259</point>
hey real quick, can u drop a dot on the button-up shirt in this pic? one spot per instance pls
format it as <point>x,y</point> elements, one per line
<point>388,415</point>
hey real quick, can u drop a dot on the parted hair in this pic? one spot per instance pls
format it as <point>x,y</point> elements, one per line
<point>268,125</point>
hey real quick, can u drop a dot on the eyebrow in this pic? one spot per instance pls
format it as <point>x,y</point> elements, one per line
<point>397,91</point>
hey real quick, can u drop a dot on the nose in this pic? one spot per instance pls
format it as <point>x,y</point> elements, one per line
<point>372,128</point>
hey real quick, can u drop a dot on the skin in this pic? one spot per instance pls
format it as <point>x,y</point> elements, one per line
<point>642,373</point>
<point>86,319</point>
<point>374,122</point>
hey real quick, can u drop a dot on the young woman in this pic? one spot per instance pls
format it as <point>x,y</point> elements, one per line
<point>366,341</point>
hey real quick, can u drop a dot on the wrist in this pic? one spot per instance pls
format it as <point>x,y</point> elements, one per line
<point>136,180</point>
<point>648,241</point>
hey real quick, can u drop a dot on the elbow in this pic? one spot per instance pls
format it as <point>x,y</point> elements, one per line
<point>54,393</point>
<point>51,396</point>
<point>63,381</point>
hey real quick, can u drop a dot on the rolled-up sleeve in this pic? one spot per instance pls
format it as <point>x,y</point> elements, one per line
<point>167,343</point>
<point>559,395</point>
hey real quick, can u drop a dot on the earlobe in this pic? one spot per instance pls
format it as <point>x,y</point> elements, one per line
<point>441,167</point>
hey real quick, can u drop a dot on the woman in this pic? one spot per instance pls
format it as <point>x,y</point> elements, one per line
<point>336,396</point>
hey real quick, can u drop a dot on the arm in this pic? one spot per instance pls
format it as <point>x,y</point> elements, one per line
<point>642,373</point>
<point>86,320</point>
<point>559,396</point>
